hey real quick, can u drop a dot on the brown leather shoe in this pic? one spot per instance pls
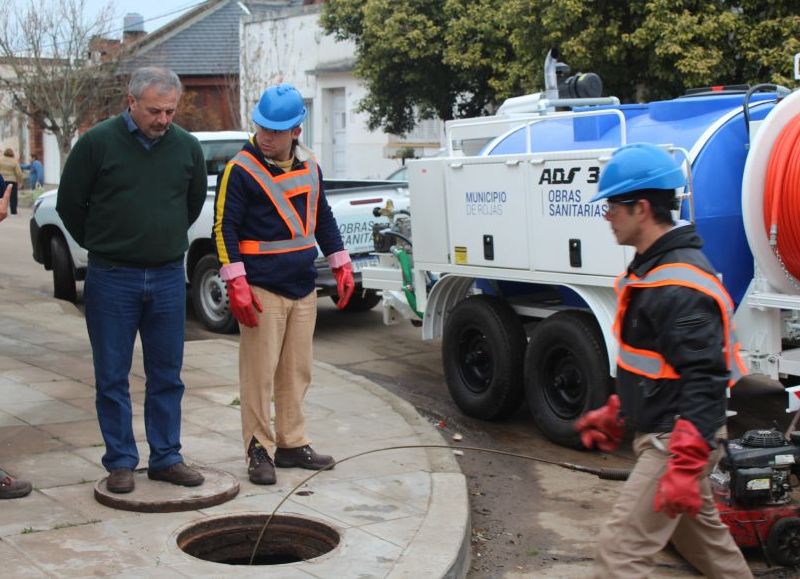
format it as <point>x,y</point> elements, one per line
<point>260,467</point>
<point>303,457</point>
<point>120,480</point>
<point>13,488</point>
<point>177,474</point>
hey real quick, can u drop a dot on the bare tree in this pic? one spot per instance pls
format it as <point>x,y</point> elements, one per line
<point>230,93</point>
<point>56,78</point>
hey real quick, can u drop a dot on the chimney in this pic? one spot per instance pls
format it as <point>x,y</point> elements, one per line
<point>132,27</point>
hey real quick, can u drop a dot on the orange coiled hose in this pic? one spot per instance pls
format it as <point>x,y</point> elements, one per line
<point>782,197</point>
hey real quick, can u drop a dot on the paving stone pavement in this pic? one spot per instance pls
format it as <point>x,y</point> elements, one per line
<point>399,513</point>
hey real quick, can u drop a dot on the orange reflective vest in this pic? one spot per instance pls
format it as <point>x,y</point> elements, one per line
<point>652,364</point>
<point>280,189</point>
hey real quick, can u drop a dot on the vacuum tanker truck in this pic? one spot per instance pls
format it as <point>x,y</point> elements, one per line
<point>514,269</point>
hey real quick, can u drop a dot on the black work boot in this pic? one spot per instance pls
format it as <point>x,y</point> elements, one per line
<point>260,467</point>
<point>303,457</point>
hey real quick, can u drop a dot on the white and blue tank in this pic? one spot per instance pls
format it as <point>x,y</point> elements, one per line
<point>711,127</point>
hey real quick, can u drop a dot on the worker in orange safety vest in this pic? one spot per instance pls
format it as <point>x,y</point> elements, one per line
<point>677,357</point>
<point>270,214</point>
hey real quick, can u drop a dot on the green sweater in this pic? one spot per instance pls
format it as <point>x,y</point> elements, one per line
<point>128,205</point>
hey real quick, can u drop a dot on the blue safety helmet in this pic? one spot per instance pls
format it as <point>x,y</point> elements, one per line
<point>639,166</point>
<point>280,107</point>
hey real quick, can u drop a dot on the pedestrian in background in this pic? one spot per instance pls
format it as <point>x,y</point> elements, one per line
<point>12,174</point>
<point>10,487</point>
<point>130,189</point>
<point>677,357</point>
<point>270,213</point>
<point>36,172</point>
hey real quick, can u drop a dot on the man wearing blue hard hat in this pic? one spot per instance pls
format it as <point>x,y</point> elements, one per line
<point>270,214</point>
<point>677,355</point>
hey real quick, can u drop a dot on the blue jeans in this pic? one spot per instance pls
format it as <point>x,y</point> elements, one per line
<point>119,302</point>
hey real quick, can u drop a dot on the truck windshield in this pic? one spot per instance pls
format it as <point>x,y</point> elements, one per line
<point>218,153</point>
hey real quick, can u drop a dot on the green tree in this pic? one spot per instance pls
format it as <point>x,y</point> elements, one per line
<point>399,50</point>
<point>767,35</point>
<point>507,43</point>
<point>687,44</point>
<point>455,57</point>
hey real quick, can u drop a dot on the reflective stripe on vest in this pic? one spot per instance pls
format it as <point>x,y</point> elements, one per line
<point>652,364</point>
<point>280,189</point>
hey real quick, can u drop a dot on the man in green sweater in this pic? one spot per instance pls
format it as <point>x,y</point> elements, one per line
<point>130,189</point>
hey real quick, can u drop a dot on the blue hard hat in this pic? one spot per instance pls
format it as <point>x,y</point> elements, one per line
<point>280,107</point>
<point>639,166</point>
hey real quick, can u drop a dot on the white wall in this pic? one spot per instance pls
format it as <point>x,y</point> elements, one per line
<point>290,49</point>
<point>13,124</point>
<point>52,157</point>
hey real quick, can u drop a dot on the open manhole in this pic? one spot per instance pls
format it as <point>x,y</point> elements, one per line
<point>231,539</point>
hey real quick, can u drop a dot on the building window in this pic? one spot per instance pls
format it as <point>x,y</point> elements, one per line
<point>426,131</point>
<point>308,126</point>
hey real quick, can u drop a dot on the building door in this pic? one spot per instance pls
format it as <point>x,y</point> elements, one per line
<point>338,127</point>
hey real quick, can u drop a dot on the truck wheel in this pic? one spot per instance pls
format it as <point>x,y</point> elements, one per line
<point>483,347</point>
<point>783,542</point>
<point>566,373</point>
<point>210,298</point>
<point>362,300</point>
<point>63,272</point>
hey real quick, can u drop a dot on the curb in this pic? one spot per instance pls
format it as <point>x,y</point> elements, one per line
<point>442,552</point>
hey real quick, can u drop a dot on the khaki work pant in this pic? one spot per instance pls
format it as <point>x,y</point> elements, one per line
<point>636,532</point>
<point>275,359</point>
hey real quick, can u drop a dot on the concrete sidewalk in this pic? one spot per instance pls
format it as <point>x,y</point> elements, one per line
<point>399,513</point>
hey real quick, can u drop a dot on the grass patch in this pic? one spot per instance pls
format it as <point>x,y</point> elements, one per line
<point>70,525</point>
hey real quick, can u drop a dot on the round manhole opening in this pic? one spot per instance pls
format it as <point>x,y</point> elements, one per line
<point>232,539</point>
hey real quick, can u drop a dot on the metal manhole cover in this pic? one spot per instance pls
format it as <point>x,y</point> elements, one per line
<point>151,496</point>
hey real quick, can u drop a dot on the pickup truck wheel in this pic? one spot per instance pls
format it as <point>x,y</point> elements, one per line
<point>362,300</point>
<point>566,373</point>
<point>210,298</point>
<point>63,271</point>
<point>483,346</point>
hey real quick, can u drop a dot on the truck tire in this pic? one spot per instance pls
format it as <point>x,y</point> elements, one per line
<point>63,271</point>
<point>483,347</point>
<point>566,373</point>
<point>210,298</point>
<point>362,300</point>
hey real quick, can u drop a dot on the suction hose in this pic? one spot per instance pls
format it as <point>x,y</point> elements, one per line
<point>782,197</point>
<point>408,277</point>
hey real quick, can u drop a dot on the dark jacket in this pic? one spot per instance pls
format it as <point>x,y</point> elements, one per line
<point>243,212</point>
<point>684,326</point>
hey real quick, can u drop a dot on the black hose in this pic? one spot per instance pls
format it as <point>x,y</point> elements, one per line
<point>614,473</point>
<point>395,234</point>
<point>750,92</point>
<point>608,474</point>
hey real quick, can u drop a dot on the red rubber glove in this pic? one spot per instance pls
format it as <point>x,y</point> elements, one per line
<point>243,302</point>
<point>345,284</point>
<point>679,488</point>
<point>602,428</point>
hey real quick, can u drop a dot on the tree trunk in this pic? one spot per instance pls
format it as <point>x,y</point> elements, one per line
<point>64,147</point>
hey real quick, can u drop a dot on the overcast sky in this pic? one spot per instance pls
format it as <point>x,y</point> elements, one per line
<point>156,12</point>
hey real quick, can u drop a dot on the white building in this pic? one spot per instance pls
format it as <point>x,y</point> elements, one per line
<point>13,124</point>
<point>291,47</point>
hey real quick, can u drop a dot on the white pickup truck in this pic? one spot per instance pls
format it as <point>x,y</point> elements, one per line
<point>352,202</point>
